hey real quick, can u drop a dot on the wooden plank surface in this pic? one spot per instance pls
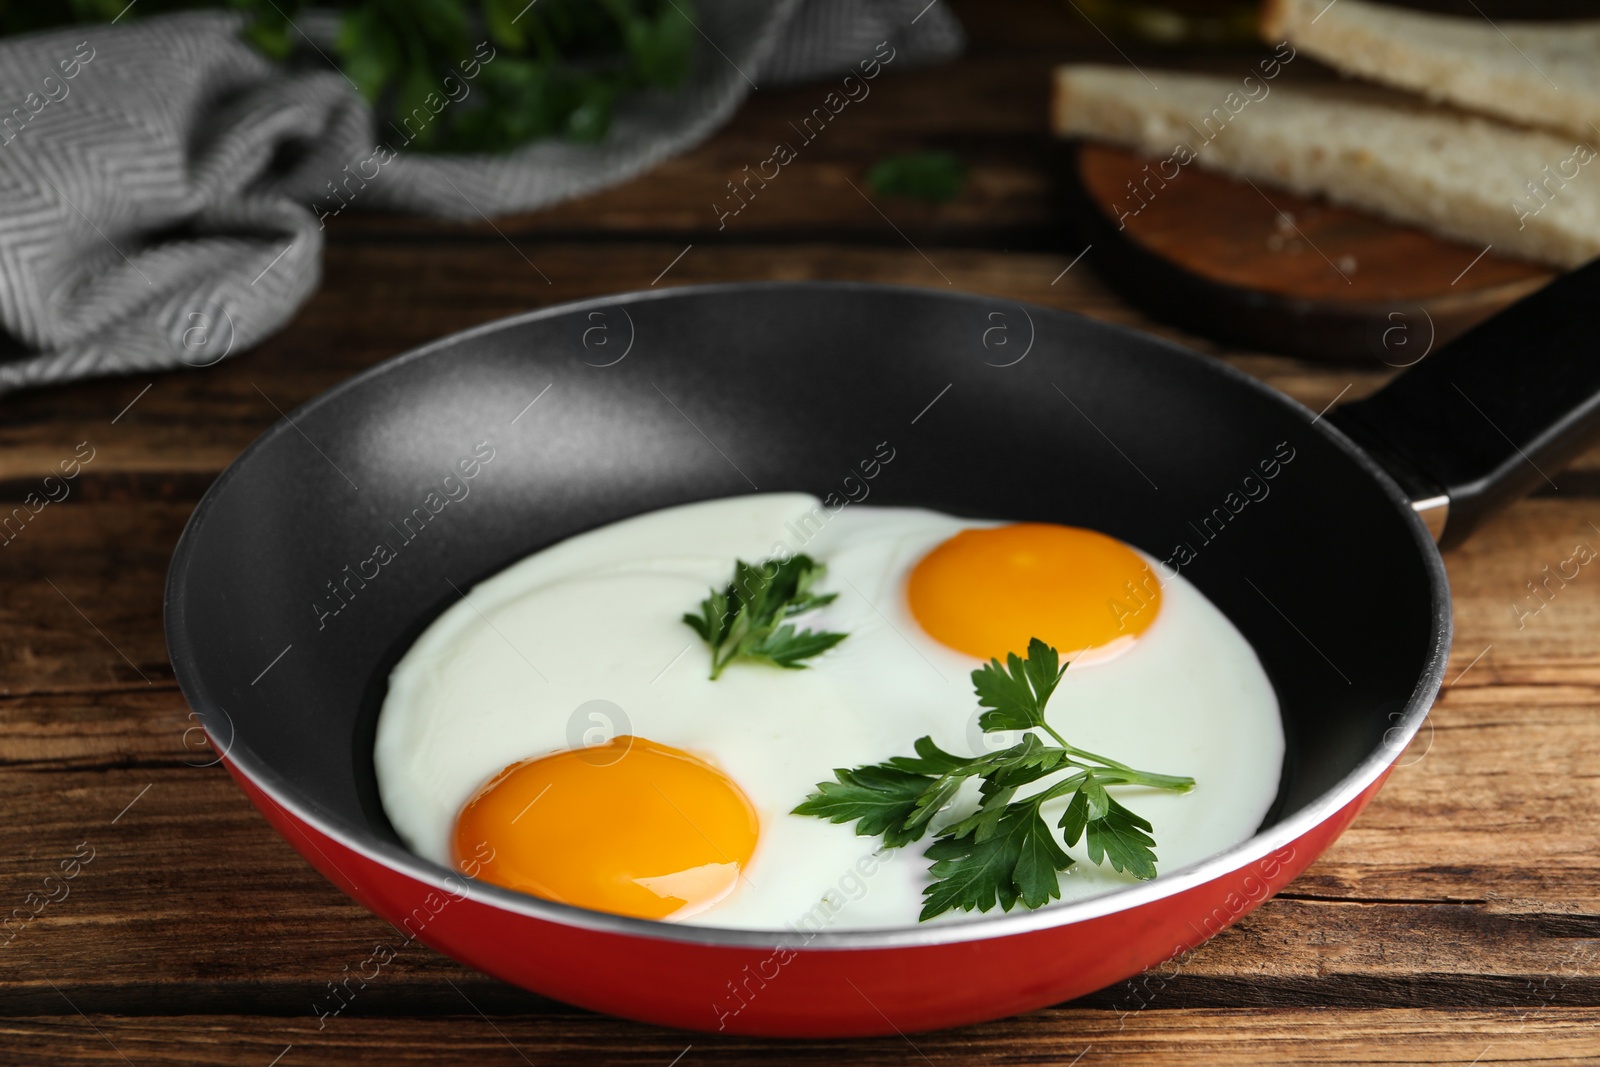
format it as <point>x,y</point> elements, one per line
<point>1457,922</point>
<point>1281,1038</point>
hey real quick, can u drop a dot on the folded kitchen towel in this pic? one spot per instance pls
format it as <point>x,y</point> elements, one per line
<point>163,186</point>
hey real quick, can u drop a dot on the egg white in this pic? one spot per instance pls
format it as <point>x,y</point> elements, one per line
<point>509,673</point>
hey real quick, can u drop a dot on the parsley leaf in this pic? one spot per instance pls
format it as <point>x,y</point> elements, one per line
<point>882,798</point>
<point>930,759</point>
<point>745,618</point>
<point>1018,860</point>
<point>787,647</point>
<point>1115,834</point>
<point>895,800</point>
<point>936,177</point>
<point>1039,859</point>
<point>1004,852</point>
<point>1015,694</point>
<point>970,874</point>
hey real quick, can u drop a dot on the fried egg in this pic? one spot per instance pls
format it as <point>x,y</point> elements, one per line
<point>557,731</point>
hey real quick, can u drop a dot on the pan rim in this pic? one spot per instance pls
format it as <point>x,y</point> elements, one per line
<point>400,860</point>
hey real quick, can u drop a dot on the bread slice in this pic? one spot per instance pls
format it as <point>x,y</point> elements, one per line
<point>1529,193</point>
<point>1534,73</point>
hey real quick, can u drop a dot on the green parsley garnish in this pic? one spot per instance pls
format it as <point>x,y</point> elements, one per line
<point>1004,852</point>
<point>745,619</point>
<point>454,75</point>
<point>936,177</point>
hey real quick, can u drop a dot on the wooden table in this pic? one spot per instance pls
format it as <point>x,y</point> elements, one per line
<point>1457,922</point>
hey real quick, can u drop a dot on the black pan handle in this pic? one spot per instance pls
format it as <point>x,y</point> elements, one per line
<point>1495,413</point>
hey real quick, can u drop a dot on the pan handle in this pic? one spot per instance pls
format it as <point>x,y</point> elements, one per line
<point>1493,414</point>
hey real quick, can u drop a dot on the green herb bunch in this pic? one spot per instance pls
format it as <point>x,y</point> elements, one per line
<point>1004,852</point>
<point>558,67</point>
<point>746,619</point>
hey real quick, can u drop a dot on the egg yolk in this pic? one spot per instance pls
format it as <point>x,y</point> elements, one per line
<point>987,592</point>
<point>629,827</point>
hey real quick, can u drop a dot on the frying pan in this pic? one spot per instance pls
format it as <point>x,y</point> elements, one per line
<point>282,628</point>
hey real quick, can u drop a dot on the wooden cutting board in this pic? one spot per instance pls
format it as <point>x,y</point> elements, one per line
<point>1255,266</point>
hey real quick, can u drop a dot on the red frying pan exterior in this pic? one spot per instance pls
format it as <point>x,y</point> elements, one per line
<point>794,990</point>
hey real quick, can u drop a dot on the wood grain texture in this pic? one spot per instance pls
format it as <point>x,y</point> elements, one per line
<point>1213,225</point>
<point>1548,1037</point>
<point>1458,921</point>
<point>1270,269</point>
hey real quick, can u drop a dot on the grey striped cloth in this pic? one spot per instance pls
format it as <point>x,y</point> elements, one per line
<point>163,187</point>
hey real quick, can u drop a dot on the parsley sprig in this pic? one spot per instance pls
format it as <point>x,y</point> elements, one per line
<point>557,68</point>
<point>1005,851</point>
<point>745,619</point>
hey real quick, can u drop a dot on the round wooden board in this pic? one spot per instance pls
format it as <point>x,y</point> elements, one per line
<point>1259,267</point>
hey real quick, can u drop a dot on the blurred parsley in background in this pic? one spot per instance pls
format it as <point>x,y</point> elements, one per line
<point>936,177</point>
<point>559,66</point>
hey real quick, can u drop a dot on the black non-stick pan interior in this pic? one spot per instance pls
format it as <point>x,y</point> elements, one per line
<point>991,410</point>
